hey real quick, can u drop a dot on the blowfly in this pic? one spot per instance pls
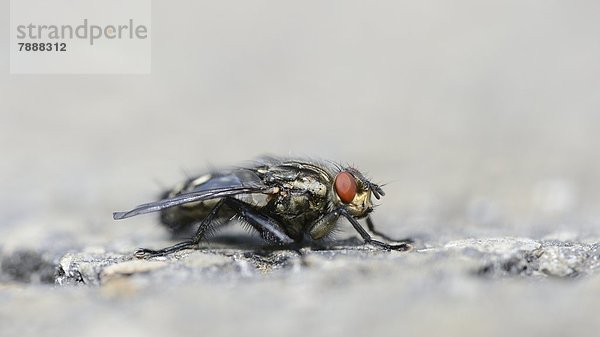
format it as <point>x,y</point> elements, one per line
<point>287,201</point>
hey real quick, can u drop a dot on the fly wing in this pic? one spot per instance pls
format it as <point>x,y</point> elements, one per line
<point>219,185</point>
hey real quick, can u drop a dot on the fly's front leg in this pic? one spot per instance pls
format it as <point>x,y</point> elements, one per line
<point>144,253</point>
<point>371,227</point>
<point>365,236</point>
<point>266,226</point>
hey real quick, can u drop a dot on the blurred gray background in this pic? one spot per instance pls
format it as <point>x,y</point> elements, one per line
<point>481,117</point>
<point>476,114</point>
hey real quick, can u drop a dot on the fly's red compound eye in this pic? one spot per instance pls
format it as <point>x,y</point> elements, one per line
<point>345,186</point>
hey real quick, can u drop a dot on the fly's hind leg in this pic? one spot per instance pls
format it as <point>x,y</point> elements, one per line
<point>144,253</point>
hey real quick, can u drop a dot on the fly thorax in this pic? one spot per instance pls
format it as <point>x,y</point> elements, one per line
<point>254,199</point>
<point>308,185</point>
<point>301,199</point>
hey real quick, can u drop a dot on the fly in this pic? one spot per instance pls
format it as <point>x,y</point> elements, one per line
<point>285,200</point>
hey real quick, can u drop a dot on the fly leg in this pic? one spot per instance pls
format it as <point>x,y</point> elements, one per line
<point>144,253</point>
<point>371,227</point>
<point>266,226</point>
<point>365,236</point>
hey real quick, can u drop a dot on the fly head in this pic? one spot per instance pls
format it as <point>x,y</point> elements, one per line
<point>353,191</point>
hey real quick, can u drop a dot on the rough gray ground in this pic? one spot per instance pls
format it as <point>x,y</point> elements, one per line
<point>484,286</point>
<point>480,117</point>
<point>485,257</point>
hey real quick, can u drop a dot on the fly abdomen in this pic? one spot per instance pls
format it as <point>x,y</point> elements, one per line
<point>180,220</point>
<point>183,219</point>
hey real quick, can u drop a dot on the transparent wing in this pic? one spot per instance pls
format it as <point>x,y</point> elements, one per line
<point>217,186</point>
